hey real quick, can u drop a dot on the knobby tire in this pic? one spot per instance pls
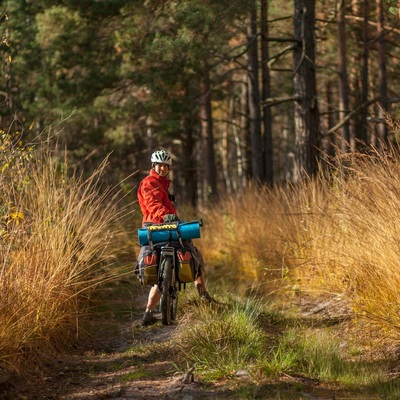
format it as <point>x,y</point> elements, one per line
<point>167,287</point>
<point>174,304</point>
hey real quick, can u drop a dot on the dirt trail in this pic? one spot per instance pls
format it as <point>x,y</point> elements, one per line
<point>109,369</point>
<point>115,367</point>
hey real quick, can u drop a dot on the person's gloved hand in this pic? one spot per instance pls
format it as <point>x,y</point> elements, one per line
<point>171,197</point>
<point>171,218</point>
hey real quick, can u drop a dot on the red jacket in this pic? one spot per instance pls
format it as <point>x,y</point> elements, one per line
<point>153,198</point>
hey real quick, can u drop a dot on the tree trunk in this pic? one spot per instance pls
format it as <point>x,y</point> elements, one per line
<point>344,103</point>
<point>237,182</point>
<point>210,171</point>
<point>245,138</point>
<point>382,78</point>
<point>266,93</point>
<point>254,98</point>
<point>6,97</point>
<point>188,161</point>
<point>306,113</point>
<point>331,139</point>
<point>364,75</point>
<point>225,148</point>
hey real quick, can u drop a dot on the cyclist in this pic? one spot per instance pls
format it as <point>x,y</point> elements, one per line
<point>156,205</point>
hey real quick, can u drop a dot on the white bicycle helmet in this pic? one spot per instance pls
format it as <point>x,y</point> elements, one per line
<point>161,157</point>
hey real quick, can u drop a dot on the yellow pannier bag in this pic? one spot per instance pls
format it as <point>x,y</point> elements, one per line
<point>185,266</point>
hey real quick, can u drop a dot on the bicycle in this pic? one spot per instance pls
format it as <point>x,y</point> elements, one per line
<point>167,240</point>
<point>168,285</point>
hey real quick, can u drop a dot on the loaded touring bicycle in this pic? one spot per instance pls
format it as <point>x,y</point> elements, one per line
<point>167,262</point>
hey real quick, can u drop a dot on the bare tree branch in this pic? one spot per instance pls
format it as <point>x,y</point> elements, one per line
<point>273,101</point>
<point>283,40</point>
<point>277,56</point>
<point>5,95</point>
<point>279,19</point>
<point>349,116</point>
<point>388,29</point>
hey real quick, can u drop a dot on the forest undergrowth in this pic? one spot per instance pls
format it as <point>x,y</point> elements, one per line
<point>334,235</point>
<point>331,239</point>
<point>60,237</point>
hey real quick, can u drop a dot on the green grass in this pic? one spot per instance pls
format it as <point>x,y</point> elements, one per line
<point>134,375</point>
<point>249,335</point>
<point>314,352</point>
<point>221,340</point>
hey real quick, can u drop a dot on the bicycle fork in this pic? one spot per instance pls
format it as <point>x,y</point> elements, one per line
<point>169,251</point>
<point>167,285</point>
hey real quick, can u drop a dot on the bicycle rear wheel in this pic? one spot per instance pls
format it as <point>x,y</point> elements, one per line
<point>166,294</point>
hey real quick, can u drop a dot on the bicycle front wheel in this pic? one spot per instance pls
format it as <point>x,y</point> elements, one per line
<point>174,301</point>
<point>166,294</point>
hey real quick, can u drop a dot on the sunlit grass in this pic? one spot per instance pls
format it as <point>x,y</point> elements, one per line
<point>59,239</point>
<point>247,337</point>
<point>134,375</point>
<point>335,234</point>
<point>223,339</point>
<point>243,234</point>
<point>313,352</point>
<point>316,353</point>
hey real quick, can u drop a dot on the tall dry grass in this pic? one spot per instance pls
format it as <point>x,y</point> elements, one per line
<point>361,258</point>
<point>336,234</point>
<point>60,237</point>
<point>244,234</point>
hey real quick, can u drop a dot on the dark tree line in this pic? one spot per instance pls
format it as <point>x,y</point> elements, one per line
<point>236,90</point>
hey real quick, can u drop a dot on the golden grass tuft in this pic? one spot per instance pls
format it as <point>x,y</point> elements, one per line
<point>244,233</point>
<point>336,234</point>
<point>58,242</point>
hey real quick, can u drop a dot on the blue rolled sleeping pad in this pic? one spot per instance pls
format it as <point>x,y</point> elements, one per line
<point>169,231</point>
